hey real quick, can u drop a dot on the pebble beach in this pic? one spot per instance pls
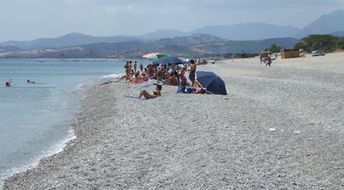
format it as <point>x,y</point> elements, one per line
<point>278,128</point>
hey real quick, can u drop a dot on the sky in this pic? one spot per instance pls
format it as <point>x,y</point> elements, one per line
<point>32,19</point>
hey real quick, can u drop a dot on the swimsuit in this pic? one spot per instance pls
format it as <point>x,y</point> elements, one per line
<point>192,75</point>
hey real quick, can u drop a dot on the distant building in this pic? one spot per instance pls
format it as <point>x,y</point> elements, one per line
<point>290,53</point>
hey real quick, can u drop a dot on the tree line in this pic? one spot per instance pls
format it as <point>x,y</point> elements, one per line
<point>324,42</point>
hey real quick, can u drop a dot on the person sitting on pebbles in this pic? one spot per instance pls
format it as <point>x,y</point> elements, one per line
<point>145,77</point>
<point>136,78</point>
<point>156,93</point>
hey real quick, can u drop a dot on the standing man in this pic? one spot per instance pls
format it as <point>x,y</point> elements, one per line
<point>135,66</point>
<point>127,70</point>
<point>141,67</point>
<point>192,73</point>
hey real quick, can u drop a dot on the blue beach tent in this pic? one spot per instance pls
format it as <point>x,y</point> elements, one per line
<point>211,82</point>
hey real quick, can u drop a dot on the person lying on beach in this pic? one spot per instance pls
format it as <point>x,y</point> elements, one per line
<point>201,91</point>
<point>155,94</point>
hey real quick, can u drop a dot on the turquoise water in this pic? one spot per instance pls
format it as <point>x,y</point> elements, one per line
<point>35,118</point>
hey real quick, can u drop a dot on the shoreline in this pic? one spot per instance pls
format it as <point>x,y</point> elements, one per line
<point>59,145</point>
<point>45,110</point>
<point>54,149</point>
<point>79,137</point>
<point>183,141</point>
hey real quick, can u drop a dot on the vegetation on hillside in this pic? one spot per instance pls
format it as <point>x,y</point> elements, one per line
<point>325,42</point>
<point>340,43</point>
<point>274,48</point>
<point>198,45</point>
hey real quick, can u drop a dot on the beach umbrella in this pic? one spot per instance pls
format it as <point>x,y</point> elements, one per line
<point>169,60</point>
<point>155,56</point>
<point>211,82</point>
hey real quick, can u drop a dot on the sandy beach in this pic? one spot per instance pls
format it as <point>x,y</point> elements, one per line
<point>278,128</point>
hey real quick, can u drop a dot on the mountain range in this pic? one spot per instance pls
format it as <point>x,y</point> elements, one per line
<point>326,24</point>
<point>197,45</point>
<point>248,37</point>
<point>249,31</point>
<point>71,39</point>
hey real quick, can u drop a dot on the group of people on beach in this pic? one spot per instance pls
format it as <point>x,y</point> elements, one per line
<point>169,74</point>
<point>267,58</point>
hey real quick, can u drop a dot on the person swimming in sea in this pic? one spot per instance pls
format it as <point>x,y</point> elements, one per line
<point>8,83</point>
<point>30,82</point>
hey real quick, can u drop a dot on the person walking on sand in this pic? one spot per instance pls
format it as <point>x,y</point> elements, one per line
<point>268,61</point>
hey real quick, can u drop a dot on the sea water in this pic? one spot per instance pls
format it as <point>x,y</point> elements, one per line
<point>35,118</point>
